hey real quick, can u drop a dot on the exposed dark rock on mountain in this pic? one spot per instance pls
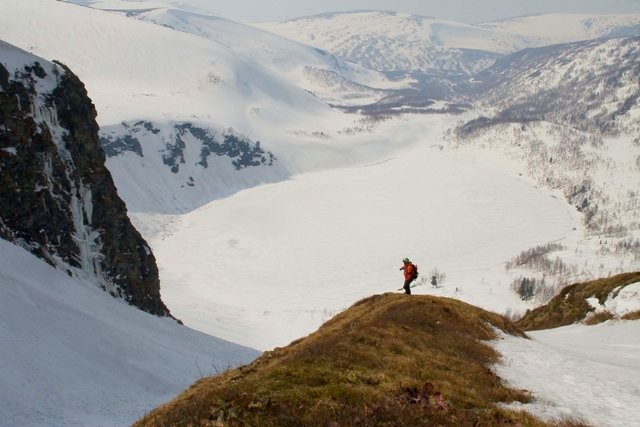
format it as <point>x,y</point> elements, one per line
<point>57,199</point>
<point>242,152</point>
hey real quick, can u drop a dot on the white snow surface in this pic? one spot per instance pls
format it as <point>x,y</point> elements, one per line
<point>74,356</point>
<point>590,373</point>
<point>330,78</point>
<point>14,60</point>
<point>620,301</point>
<point>275,261</point>
<point>137,70</point>
<point>557,28</point>
<point>397,41</point>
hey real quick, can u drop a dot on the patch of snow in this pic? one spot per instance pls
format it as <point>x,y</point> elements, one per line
<point>595,304</point>
<point>590,373</point>
<point>625,301</point>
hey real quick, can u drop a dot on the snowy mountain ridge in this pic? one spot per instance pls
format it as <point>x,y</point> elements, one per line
<point>137,70</point>
<point>140,71</point>
<point>389,41</point>
<point>320,72</point>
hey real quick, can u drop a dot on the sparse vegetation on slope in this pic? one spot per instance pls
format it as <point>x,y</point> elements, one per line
<point>388,360</point>
<point>571,305</point>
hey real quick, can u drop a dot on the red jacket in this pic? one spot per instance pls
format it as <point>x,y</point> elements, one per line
<point>409,270</point>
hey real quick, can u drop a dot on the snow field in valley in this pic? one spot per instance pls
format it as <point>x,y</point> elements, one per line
<point>270,264</point>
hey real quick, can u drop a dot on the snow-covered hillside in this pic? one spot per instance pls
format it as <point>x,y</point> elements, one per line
<point>74,356</point>
<point>557,28</point>
<point>136,70</point>
<point>190,163</point>
<point>320,72</point>
<point>389,41</point>
<point>591,85</point>
<point>570,114</point>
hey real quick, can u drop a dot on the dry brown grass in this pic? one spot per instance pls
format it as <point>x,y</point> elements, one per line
<point>596,318</point>
<point>381,362</point>
<point>632,316</point>
<point>570,306</point>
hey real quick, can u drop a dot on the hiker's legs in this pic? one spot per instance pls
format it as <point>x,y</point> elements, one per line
<point>407,287</point>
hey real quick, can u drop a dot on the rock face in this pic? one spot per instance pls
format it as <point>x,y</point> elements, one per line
<point>242,152</point>
<point>57,198</point>
<point>172,167</point>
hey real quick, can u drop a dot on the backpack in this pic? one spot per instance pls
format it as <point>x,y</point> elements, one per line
<point>414,276</point>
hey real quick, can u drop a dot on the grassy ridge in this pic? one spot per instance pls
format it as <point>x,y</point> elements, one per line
<point>384,361</point>
<point>570,306</point>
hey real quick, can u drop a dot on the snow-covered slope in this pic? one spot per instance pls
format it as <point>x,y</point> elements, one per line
<point>582,372</point>
<point>574,112</point>
<point>390,41</point>
<point>135,70</point>
<point>74,356</point>
<point>138,71</point>
<point>328,77</point>
<point>190,163</point>
<point>547,29</point>
<point>590,85</point>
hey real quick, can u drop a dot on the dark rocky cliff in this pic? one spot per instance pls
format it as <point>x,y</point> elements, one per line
<point>57,199</point>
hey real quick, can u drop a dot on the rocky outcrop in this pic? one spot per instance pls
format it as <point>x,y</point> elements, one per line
<point>57,199</point>
<point>241,152</point>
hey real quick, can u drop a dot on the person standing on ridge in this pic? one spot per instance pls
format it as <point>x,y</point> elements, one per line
<point>410,274</point>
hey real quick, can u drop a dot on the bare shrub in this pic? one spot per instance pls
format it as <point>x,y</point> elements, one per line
<point>526,287</point>
<point>439,276</point>
<point>536,259</point>
<point>596,318</point>
<point>541,289</point>
<point>628,246</point>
